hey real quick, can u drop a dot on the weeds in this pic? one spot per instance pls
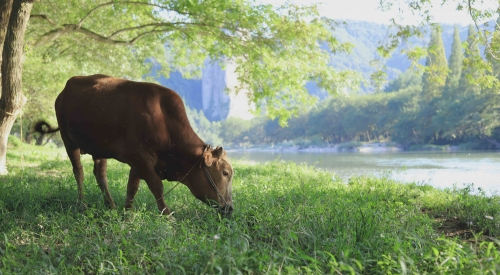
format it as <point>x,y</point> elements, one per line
<point>289,219</point>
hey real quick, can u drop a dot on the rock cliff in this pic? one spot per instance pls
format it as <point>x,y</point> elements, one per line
<point>220,101</point>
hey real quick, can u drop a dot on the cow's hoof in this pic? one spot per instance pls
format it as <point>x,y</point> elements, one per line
<point>166,211</point>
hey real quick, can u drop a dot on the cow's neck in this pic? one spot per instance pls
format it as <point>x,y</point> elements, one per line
<point>189,153</point>
<point>180,158</point>
<point>192,150</point>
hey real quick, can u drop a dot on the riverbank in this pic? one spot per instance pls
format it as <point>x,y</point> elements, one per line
<point>364,147</point>
<point>288,218</point>
<point>441,169</point>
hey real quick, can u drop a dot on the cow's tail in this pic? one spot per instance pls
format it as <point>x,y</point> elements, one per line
<point>39,128</point>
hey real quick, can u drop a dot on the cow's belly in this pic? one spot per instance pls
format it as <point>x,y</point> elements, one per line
<point>99,146</point>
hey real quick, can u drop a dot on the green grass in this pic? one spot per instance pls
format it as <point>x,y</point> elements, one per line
<point>288,219</point>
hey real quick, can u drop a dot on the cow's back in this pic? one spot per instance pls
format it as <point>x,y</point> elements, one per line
<point>110,118</point>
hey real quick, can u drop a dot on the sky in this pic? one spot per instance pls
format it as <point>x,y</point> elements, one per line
<point>367,10</point>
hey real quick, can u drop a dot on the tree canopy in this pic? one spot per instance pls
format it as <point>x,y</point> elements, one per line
<point>276,50</point>
<point>434,77</point>
<point>481,14</point>
<point>464,112</point>
<point>455,61</point>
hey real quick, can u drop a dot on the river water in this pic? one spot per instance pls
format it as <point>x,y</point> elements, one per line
<point>439,169</point>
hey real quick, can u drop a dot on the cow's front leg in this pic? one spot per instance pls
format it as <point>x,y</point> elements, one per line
<point>132,187</point>
<point>156,186</point>
<point>144,168</point>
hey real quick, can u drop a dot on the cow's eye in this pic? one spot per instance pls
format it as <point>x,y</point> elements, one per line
<point>225,173</point>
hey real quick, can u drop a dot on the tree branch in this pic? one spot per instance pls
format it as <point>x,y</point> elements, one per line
<point>54,34</point>
<point>73,28</point>
<point>486,40</point>
<point>92,11</point>
<point>139,27</point>
<point>79,24</point>
<point>42,16</point>
<point>108,40</point>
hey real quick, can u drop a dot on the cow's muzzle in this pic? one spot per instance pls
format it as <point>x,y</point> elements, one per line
<point>226,211</point>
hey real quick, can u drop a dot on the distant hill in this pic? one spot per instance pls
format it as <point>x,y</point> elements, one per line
<point>364,35</point>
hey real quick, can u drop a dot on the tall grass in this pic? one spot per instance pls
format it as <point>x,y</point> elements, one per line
<point>288,219</point>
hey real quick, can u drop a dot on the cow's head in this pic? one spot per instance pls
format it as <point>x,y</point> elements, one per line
<point>212,181</point>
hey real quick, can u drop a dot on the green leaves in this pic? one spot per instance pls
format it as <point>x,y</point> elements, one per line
<point>479,11</point>
<point>276,50</point>
<point>436,69</point>
<point>455,61</point>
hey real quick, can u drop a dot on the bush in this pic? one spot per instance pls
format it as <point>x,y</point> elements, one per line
<point>14,141</point>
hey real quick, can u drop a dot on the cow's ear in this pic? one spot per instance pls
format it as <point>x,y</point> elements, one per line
<point>218,152</point>
<point>209,158</point>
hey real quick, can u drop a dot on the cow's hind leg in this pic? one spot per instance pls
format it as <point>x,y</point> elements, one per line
<point>101,177</point>
<point>73,151</point>
<point>74,157</point>
<point>132,187</point>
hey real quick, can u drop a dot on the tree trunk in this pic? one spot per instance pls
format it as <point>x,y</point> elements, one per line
<point>12,98</point>
<point>5,9</point>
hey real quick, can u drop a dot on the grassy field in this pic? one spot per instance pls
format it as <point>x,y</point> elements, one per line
<point>288,219</point>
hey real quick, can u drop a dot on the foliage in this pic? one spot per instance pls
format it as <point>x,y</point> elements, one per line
<point>455,62</point>
<point>234,129</point>
<point>470,73</point>
<point>459,117</point>
<point>276,49</point>
<point>494,49</point>
<point>14,142</point>
<point>408,78</point>
<point>288,218</point>
<point>422,16</point>
<point>436,67</point>
<point>409,118</point>
<point>407,114</point>
<point>365,36</point>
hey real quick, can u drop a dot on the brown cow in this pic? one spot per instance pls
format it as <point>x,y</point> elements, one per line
<point>144,125</point>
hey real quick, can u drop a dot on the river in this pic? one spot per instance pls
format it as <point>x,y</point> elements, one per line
<point>439,169</point>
